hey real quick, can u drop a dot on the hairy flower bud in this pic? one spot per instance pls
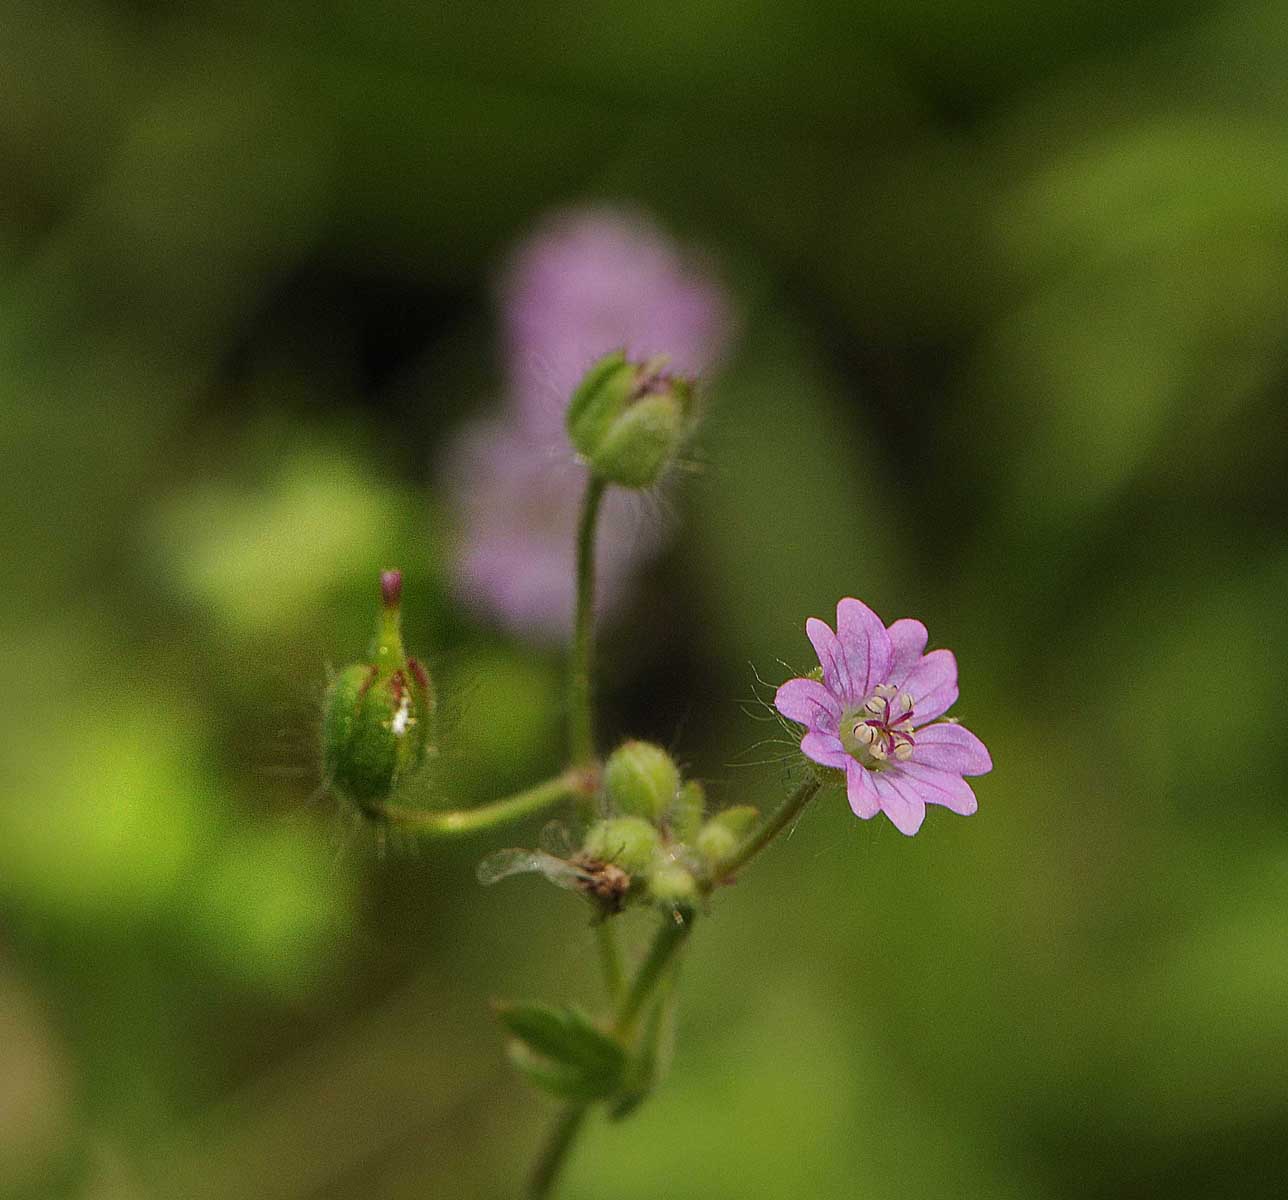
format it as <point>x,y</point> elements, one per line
<point>719,837</point>
<point>641,780</point>
<point>685,815</point>
<point>626,842</point>
<point>377,720</point>
<point>672,884</point>
<point>628,419</point>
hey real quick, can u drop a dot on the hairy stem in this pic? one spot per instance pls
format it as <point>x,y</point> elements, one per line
<point>573,784</point>
<point>770,828</point>
<point>581,727</point>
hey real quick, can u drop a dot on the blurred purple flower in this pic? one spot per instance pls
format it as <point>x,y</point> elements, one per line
<point>517,506</point>
<point>594,280</point>
<point>870,717</point>
<point>587,282</point>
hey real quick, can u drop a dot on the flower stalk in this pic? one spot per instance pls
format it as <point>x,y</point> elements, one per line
<point>581,727</point>
<point>656,967</point>
<point>573,784</point>
<point>766,832</point>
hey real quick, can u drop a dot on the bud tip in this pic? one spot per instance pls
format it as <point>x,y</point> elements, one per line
<point>391,588</point>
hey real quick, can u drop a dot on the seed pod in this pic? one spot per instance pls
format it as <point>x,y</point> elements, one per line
<point>377,724</point>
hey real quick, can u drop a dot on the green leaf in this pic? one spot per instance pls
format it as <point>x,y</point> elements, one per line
<point>563,1051</point>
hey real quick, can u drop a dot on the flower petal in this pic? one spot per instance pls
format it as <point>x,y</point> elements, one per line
<point>933,684</point>
<point>901,802</point>
<point>836,672</point>
<point>860,791</point>
<point>825,748</point>
<point>865,644</point>
<point>938,787</point>
<point>951,747</point>
<point>810,703</point>
<point>908,639</point>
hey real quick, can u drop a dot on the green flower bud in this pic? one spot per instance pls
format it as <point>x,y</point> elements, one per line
<point>715,842</point>
<point>628,419</point>
<point>641,442</point>
<point>685,816</point>
<point>641,779</point>
<point>719,837</point>
<point>672,884</point>
<point>627,842</point>
<point>600,398</point>
<point>378,717</point>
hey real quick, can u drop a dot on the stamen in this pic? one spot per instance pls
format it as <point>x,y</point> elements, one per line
<point>883,731</point>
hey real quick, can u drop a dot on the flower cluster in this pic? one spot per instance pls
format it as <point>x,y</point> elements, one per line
<point>588,283</point>
<point>876,715</point>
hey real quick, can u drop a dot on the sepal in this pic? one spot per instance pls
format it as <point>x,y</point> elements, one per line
<point>627,420</point>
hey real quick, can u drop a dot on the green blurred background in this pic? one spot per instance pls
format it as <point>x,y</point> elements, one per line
<point>1014,286</point>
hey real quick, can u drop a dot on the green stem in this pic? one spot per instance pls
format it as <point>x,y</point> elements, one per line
<point>670,937</point>
<point>573,784</point>
<point>581,728</point>
<point>769,829</point>
<point>655,967</point>
<point>581,715</point>
<point>610,958</point>
<point>555,1151</point>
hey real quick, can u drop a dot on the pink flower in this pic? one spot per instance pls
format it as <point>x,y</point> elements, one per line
<point>875,716</point>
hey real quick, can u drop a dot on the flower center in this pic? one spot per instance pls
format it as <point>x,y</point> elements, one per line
<point>881,730</point>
